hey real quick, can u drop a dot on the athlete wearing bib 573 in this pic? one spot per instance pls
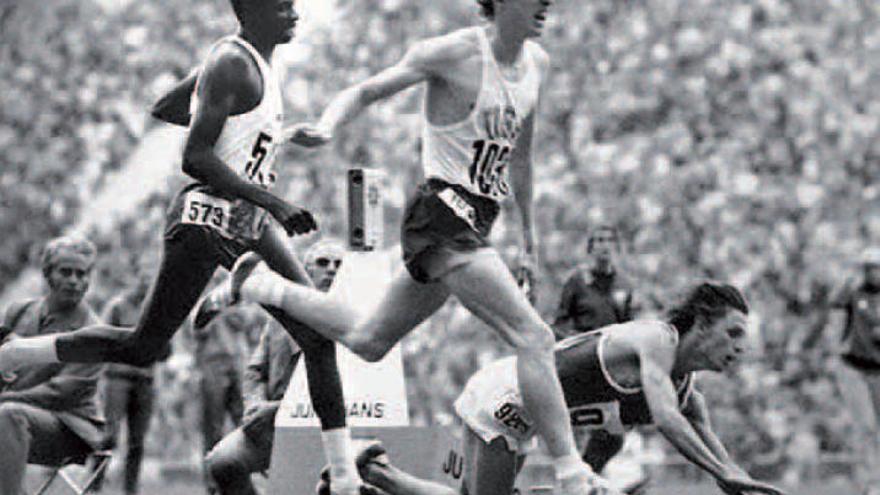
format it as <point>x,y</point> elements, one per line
<point>234,132</point>
<point>614,378</point>
<point>482,87</point>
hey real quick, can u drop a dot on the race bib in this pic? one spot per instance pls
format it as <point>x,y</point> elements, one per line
<point>460,207</point>
<point>202,209</point>
<point>601,416</point>
<point>509,412</point>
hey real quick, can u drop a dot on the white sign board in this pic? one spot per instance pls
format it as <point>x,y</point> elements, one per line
<point>375,393</point>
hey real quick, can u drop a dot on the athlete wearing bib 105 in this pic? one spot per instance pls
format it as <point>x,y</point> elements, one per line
<point>466,166</point>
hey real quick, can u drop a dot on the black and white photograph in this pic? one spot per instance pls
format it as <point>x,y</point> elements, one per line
<point>440,247</point>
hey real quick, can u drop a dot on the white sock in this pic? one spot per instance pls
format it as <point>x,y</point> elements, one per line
<point>340,455</point>
<point>35,350</point>
<point>570,465</point>
<point>265,288</point>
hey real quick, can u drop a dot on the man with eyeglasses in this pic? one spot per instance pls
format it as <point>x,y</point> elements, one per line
<point>248,449</point>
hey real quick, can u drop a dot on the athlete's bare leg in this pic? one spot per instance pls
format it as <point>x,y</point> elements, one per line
<point>183,273</point>
<point>319,353</point>
<point>404,306</point>
<point>490,469</point>
<point>394,481</point>
<point>486,287</point>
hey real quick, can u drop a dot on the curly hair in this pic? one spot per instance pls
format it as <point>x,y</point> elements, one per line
<point>487,8</point>
<point>709,299</point>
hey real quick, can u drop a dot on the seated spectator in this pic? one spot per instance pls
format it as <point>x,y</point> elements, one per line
<point>49,412</point>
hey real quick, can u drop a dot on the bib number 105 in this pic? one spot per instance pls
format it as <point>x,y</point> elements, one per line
<point>487,167</point>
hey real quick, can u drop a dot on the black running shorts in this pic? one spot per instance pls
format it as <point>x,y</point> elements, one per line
<point>441,221</point>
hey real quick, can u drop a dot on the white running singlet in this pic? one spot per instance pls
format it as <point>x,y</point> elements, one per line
<point>474,152</point>
<point>248,142</point>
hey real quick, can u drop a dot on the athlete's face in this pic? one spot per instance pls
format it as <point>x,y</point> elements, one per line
<point>529,15</point>
<point>69,280</point>
<point>322,269</point>
<point>723,341</point>
<point>278,17</point>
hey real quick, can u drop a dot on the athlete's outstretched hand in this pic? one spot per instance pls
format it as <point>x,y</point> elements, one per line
<point>308,135</point>
<point>742,484</point>
<point>295,220</point>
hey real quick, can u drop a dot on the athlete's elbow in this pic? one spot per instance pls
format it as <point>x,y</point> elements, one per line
<point>665,420</point>
<point>365,95</point>
<point>192,163</point>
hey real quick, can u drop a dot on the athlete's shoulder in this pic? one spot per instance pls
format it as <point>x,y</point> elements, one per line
<point>539,54</point>
<point>451,47</point>
<point>229,62</point>
<point>649,335</point>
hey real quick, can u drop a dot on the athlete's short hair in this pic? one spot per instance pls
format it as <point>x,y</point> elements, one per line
<point>709,299</point>
<point>71,244</point>
<point>487,8</point>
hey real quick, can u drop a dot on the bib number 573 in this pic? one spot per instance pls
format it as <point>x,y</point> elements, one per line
<point>202,209</point>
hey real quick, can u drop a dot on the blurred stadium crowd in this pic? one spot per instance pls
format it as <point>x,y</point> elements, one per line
<point>733,140</point>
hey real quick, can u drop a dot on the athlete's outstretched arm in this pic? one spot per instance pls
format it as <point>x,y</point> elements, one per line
<point>424,59</point>
<point>663,402</point>
<point>224,86</point>
<point>655,360</point>
<point>697,414</point>
<point>173,106</point>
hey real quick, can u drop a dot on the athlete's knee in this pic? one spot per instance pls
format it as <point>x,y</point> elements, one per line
<point>223,469</point>
<point>370,350</point>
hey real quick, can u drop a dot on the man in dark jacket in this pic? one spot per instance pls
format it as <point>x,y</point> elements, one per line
<point>595,295</point>
<point>49,412</point>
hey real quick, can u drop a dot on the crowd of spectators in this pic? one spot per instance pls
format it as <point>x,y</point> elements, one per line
<point>726,139</point>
